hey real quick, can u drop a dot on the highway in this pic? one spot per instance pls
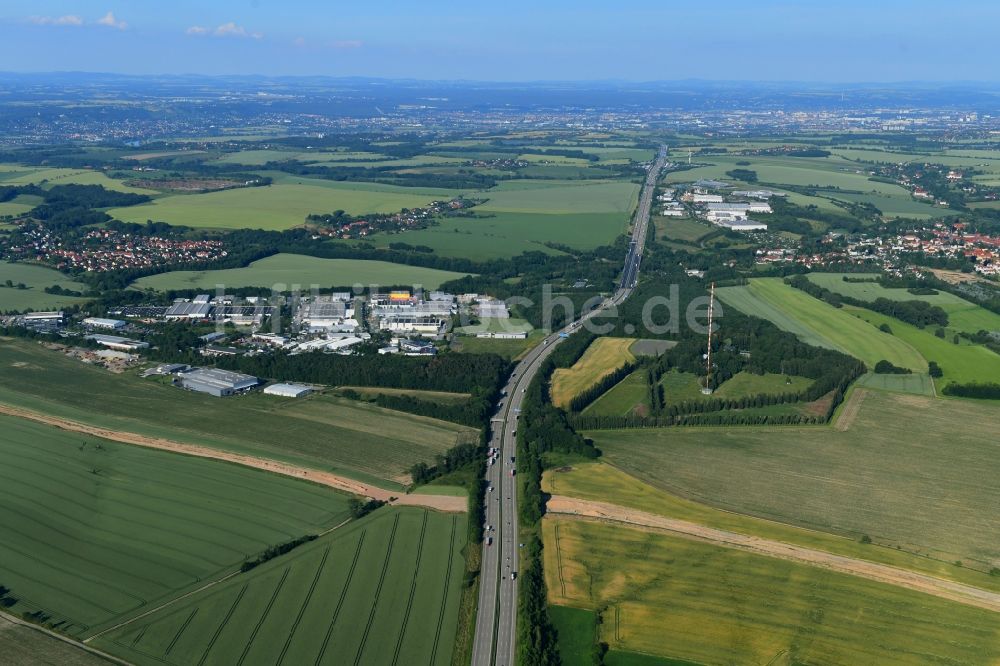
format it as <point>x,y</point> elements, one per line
<point>496,621</point>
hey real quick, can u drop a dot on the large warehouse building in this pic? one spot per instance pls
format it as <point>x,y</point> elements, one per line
<point>216,382</point>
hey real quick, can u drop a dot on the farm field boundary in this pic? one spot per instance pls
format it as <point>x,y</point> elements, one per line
<point>323,478</point>
<point>604,511</point>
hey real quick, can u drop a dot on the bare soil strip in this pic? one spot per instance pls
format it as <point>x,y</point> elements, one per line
<point>14,620</point>
<point>316,476</point>
<point>850,410</point>
<point>964,594</point>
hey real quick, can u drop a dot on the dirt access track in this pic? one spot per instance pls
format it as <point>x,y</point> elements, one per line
<point>438,502</point>
<point>882,573</point>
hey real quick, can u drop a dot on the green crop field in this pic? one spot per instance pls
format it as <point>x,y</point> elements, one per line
<point>818,323</point>
<point>681,229</point>
<point>19,205</point>
<point>963,315</point>
<point>911,471</point>
<point>292,269</point>
<point>283,205</point>
<point>383,590</point>
<point>36,279</point>
<point>602,357</point>
<point>319,431</point>
<point>576,631</point>
<point>918,382</point>
<point>26,646</point>
<point>604,483</point>
<point>506,234</point>
<point>960,363</point>
<point>46,177</point>
<point>261,157</point>
<point>630,395</point>
<point>554,198</point>
<point>669,596</point>
<point>94,530</point>
<point>746,383</point>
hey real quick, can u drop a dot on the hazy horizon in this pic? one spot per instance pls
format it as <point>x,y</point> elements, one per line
<point>770,41</point>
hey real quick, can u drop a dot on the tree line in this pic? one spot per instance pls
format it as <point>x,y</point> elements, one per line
<point>919,313</point>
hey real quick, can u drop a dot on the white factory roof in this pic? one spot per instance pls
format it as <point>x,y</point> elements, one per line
<point>220,378</point>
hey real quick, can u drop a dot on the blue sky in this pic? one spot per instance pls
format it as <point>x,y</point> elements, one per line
<point>512,40</point>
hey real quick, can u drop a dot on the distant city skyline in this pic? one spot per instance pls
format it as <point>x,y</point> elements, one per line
<point>770,40</point>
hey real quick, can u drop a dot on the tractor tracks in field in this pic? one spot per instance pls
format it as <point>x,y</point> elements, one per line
<point>569,507</point>
<point>444,503</point>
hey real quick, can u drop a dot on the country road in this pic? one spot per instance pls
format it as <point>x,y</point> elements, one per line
<point>495,641</point>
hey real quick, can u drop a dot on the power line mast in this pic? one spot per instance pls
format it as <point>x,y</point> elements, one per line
<point>707,389</point>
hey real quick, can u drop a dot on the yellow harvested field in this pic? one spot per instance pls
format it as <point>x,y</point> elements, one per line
<point>603,356</point>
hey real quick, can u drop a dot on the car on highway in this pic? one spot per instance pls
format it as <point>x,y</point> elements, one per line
<point>513,575</point>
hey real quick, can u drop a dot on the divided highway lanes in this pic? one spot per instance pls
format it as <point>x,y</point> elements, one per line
<point>496,621</point>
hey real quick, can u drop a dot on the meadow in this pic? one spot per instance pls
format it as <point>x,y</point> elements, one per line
<point>282,205</point>
<point>382,590</point>
<point>665,595</point>
<point>963,315</point>
<point>681,229</point>
<point>36,279</point>
<point>323,432</point>
<point>503,234</point>
<point>291,269</point>
<point>964,362</point>
<point>94,529</point>
<point>910,471</point>
<point>509,349</point>
<point>818,323</point>
<point>603,356</point>
<point>19,205</point>
<point>631,395</point>
<point>47,177</point>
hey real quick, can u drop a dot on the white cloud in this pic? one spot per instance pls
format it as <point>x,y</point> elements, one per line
<point>196,30</point>
<point>68,19</point>
<point>232,30</point>
<point>348,44</point>
<point>110,21</point>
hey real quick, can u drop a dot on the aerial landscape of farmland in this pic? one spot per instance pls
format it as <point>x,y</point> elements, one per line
<point>384,335</point>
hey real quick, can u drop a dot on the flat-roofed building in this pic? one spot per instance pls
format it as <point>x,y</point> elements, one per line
<point>99,322</point>
<point>216,382</point>
<point>116,342</point>
<point>188,311</point>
